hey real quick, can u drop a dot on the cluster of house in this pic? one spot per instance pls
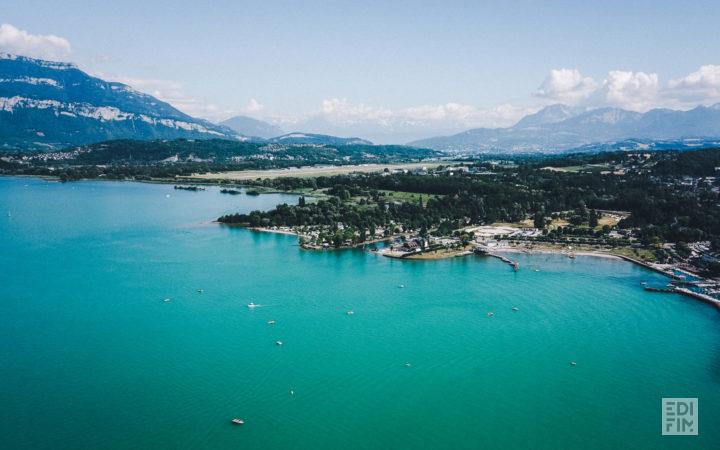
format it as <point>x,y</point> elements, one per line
<point>702,254</point>
<point>418,171</point>
<point>450,170</point>
<point>48,156</point>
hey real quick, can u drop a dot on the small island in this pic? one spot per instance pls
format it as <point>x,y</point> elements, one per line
<point>189,188</point>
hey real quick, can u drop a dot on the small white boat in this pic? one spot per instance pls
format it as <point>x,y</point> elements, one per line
<point>278,343</point>
<point>200,291</point>
<point>407,364</point>
<point>166,300</point>
<point>401,286</point>
<point>515,308</point>
<point>350,312</point>
<point>573,363</point>
<point>252,305</point>
<point>271,322</point>
<point>490,314</point>
<point>237,421</point>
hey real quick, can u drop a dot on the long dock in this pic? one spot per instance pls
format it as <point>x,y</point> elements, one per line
<point>669,290</point>
<point>704,297</point>
<point>674,289</point>
<point>514,264</point>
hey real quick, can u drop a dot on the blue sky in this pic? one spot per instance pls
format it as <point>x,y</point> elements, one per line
<point>438,66</point>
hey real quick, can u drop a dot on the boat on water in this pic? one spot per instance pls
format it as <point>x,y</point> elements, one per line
<point>350,312</point>
<point>200,291</point>
<point>490,314</point>
<point>573,363</point>
<point>401,286</point>
<point>166,300</point>
<point>271,322</point>
<point>515,308</point>
<point>278,343</point>
<point>237,421</point>
<point>252,305</point>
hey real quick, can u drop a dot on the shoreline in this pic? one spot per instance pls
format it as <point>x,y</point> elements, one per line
<point>455,253</point>
<point>172,181</point>
<point>599,254</point>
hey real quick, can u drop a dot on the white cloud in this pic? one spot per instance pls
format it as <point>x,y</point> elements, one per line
<point>340,110</point>
<point>701,86</point>
<point>47,46</point>
<point>254,106</point>
<point>638,91</point>
<point>446,116</point>
<point>566,86</point>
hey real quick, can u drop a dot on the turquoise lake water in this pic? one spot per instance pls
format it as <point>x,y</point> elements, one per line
<point>91,357</point>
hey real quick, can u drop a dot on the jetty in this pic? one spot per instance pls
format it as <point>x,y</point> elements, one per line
<point>485,251</point>
<point>704,297</point>
<point>669,289</point>
<point>674,288</point>
<point>514,264</point>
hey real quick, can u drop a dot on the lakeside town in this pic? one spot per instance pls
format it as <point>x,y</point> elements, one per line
<point>415,214</point>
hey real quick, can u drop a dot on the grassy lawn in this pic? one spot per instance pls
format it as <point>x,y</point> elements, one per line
<point>407,197</point>
<point>635,253</point>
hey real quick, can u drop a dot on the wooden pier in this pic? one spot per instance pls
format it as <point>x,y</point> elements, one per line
<point>514,264</point>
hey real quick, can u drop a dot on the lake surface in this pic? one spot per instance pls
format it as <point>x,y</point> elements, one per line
<point>92,357</point>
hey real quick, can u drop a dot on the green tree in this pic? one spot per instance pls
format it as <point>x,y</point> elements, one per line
<point>539,220</point>
<point>593,219</point>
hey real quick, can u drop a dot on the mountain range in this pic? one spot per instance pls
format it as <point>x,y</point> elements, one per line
<point>49,105</point>
<point>267,132</point>
<point>46,105</point>
<point>252,127</point>
<point>560,128</point>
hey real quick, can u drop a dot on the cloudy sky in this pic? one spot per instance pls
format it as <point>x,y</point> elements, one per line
<point>390,71</point>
